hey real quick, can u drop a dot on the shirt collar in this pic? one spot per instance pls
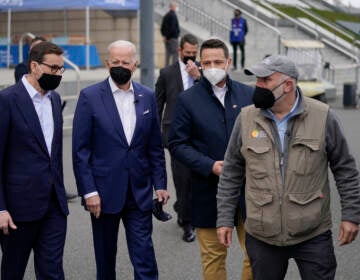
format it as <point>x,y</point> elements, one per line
<point>31,90</point>
<point>182,64</point>
<point>219,90</point>
<point>292,111</point>
<point>115,89</point>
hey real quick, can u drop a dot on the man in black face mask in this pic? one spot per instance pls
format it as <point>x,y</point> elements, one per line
<point>33,206</point>
<point>283,146</point>
<point>172,80</point>
<point>118,161</point>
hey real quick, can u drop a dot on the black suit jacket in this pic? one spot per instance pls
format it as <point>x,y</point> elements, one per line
<point>167,88</point>
<point>20,70</point>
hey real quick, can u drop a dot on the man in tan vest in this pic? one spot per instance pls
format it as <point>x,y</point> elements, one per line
<point>283,145</point>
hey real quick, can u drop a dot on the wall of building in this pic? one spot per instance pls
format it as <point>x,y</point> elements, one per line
<point>104,28</point>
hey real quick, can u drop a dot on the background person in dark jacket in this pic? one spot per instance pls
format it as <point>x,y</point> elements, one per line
<point>238,31</point>
<point>172,80</point>
<point>23,68</point>
<point>170,30</point>
<point>198,137</point>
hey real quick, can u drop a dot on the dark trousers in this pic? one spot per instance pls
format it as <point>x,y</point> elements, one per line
<point>138,230</point>
<point>182,181</point>
<point>242,50</point>
<point>46,237</point>
<point>171,51</point>
<point>315,258</point>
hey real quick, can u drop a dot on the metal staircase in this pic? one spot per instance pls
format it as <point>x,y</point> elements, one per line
<point>212,18</point>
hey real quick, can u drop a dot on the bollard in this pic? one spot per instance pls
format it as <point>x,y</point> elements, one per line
<point>349,95</point>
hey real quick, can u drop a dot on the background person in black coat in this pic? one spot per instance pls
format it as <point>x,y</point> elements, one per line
<point>204,118</point>
<point>170,30</point>
<point>23,68</point>
<point>174,79</point>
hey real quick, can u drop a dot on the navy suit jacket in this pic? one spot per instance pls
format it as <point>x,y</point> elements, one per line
<point>199,136</point>
<point>103,160</point>
<point>28,174</point>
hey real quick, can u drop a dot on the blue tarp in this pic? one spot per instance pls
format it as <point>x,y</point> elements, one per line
<point>29,5</point>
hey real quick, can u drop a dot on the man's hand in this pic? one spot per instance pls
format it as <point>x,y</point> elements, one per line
<point>217,167</point>
<point>162,195</point>
<point>347,233</point>
<point>192,69</point>
<point>6,222</point>
<point>224,235</point>
<point>93,204</point>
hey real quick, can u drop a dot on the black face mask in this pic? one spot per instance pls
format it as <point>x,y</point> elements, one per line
<point>49,81</point>
<point>187,58</point>
<point>264,98</point>
<point>120,74</point>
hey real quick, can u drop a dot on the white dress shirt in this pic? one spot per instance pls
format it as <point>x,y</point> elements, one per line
<point>187,80</point>
<point>43,109</point>
<point>220,93</point>
<point>126,108</point>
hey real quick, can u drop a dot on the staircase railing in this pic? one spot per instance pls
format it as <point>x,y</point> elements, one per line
<point>294,21</point>
<point>316,33</point>
<point>199,17</point>
<point>214,26</point>
<point>258,20</point>
<point>329,25</point>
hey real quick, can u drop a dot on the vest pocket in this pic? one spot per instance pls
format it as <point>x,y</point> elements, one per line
<point>262,214</point>
<point>306,153</point>
<point>303,212</point>
<point>256,161</point>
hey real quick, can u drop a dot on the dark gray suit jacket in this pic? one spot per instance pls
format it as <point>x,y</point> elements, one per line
<point>167,88</point>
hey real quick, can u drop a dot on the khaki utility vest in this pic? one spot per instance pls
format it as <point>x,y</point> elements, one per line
<point>286,210</point>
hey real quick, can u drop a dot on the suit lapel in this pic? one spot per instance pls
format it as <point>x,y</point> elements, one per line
<point>56,111</point>
<point>178,76</point>
<point>27,109</point>
<point>139,109</point>
<point>111,109</point>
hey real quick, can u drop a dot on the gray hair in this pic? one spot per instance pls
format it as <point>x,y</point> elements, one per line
<point>123,43</point>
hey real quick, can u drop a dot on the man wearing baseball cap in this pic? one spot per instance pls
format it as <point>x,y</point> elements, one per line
<point>283,145</point>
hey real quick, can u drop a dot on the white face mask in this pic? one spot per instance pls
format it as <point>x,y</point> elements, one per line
<point>215,75</point>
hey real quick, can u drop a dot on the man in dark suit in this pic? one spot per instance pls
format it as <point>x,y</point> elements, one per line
<point>22,69</point>
<point>199,134</point>
<point>33,206</point>
<point>172,80</point>
<point>118,159</point>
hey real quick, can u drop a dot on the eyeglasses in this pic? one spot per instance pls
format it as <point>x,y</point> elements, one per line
<point>54,68</point>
